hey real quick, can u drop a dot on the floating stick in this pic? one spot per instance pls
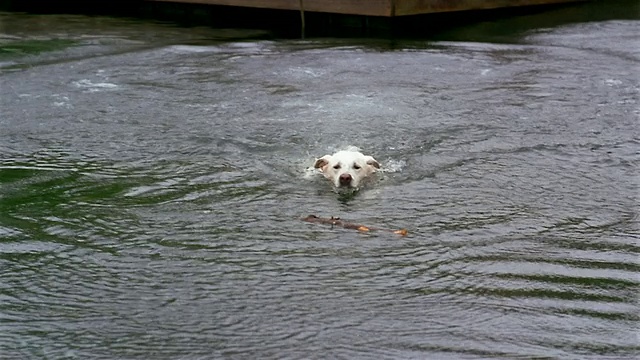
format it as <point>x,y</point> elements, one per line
<point>335,221</point>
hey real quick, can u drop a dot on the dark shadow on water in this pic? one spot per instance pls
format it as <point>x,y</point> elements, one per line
<point>504,25</point>
<point>345,196</point>
<point>508,26</point>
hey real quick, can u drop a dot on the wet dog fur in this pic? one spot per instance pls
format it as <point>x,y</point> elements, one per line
<point>347,169</point>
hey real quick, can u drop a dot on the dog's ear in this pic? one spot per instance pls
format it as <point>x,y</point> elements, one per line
<point>323,161</point>
<point>373,162</point>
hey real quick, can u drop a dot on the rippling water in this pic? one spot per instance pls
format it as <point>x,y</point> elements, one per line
<point>152,181</point>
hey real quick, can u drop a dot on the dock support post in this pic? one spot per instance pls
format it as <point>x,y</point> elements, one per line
<point>302,23</point>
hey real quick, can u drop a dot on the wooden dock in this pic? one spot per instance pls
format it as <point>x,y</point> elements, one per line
<point>384,8</point>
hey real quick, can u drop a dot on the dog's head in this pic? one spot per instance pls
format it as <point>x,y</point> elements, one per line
<point>347,169</point>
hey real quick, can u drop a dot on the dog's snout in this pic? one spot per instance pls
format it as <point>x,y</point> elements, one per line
<point>345,179</point>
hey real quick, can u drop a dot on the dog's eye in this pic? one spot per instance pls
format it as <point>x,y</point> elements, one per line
<point>356,166</point>
<point>336,166</point>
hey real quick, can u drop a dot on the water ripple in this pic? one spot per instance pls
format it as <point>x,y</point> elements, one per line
<point>161,216</point>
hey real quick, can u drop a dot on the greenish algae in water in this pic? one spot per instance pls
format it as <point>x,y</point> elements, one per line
<point>32,47</point>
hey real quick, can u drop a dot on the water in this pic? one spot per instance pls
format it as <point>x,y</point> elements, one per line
<point>153,178</point>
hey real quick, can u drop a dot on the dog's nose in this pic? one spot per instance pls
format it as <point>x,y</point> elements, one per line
<point>345,179</point>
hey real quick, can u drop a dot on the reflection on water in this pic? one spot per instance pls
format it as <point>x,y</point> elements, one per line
<point>153,181</point>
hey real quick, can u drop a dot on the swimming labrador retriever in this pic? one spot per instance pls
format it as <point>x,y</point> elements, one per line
<point>347,168</point>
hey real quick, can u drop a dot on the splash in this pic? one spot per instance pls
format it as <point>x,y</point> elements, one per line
<point>393,166</point>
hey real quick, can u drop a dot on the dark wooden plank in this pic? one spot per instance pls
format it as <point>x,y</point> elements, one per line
<point>354,7</point>
<point>414,7</point>
<point>376,7</point>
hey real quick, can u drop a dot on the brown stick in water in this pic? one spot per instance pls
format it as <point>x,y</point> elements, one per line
<point>334,221</point>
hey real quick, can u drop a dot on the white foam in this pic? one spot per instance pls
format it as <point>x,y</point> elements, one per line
<point>61,101</point>
<point>193,49</point>
<point>613,82</point>
<point>310,173</point>
<point>393,166</point>
<point>93,87</point>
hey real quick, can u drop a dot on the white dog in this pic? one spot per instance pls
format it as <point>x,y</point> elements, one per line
<point>347,168</point>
